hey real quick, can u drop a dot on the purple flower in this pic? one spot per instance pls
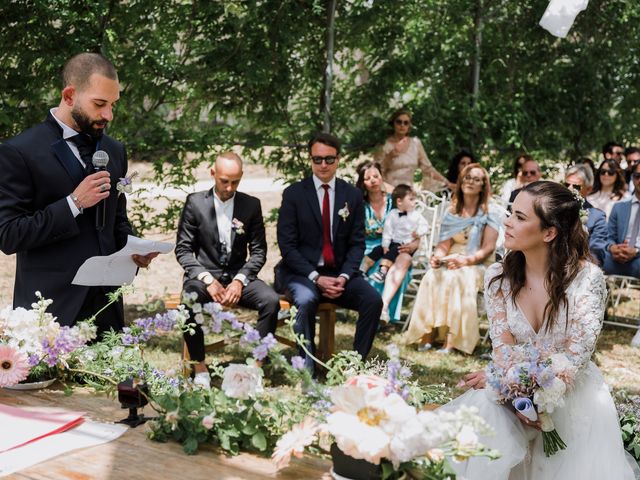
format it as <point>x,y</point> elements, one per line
<point>297,362</point>
<point>269,341</point>
<point>235,324</point>
<point>252,336</point>
<point>33,360</point>
<point>260,352</point>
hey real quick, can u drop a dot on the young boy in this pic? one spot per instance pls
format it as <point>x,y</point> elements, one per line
<point>403,225</point>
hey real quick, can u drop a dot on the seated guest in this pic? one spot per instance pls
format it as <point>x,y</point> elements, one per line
<point>613,151</point>
<point>631,156</point>
<point>517,180</point>
<point>580,178</point>
<point>457,164</point>
<point>530,173</point>
<point>447,296</point>
<point>221,245</point>
<point>622,256</point>
<point>321,237</point>
<point>377,205</point>
<point>608,187</point>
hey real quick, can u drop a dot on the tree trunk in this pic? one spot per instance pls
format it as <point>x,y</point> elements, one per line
<point>328,72</point>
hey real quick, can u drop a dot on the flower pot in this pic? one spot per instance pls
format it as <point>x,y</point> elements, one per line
<point>32,385</point>
<point>349,468</point>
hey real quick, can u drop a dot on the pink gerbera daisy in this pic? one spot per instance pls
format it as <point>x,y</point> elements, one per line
<point>13,366</point>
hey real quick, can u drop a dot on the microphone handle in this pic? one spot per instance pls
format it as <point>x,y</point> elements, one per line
<point>101,210</point>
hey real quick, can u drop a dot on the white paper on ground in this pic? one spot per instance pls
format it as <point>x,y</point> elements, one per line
<point>560,15</point>
<point>526,408</point>
<point>20,426</point>
<point>88,434</point>
<point>118,268</point>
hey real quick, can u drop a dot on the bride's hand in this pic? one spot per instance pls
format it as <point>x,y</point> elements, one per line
<point>528,422</point>
<point>476,380</point>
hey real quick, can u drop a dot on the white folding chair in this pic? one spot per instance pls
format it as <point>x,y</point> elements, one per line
<point>622,287</point>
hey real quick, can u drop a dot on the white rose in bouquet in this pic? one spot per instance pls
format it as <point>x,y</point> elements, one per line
<point>242,381</point>
<point>551,396</point>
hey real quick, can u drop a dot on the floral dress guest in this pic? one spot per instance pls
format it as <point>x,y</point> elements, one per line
<point>401,155</point>
<point>446,301</point>
<point>609,187</point>
<point>377,204</point>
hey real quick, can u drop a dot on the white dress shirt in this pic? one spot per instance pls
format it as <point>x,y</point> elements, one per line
<point>67,133</point>
<point>400,229</point>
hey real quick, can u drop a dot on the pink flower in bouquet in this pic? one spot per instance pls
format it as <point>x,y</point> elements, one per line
<point>13,366</point>
<point>294,442</point>
<point>367,381</point>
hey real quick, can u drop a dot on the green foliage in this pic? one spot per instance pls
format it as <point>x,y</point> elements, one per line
<point>198,77</point>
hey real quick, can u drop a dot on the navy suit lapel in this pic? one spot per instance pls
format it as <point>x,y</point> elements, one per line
<point>68,160</point>
<point>340,201</point>
<point>236,209</point>
<point>312,200</point>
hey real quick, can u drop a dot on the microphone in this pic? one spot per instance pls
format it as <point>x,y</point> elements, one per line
<point>99,161</point>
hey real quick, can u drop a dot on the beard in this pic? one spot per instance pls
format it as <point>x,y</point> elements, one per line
<point>86,125</point>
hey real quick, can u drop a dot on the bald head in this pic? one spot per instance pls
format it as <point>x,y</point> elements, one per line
<point>226,174</point>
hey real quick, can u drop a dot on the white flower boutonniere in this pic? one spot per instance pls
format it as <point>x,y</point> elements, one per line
<point>238,226</point>
<point>344,212</point>
<point>125,184</point>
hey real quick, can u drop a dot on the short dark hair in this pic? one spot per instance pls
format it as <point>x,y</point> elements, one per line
<point>630,150</point>
<point>326,139</point>
<point>361,170</point>
<point>80,67</point>
<point>401,191</point>
<point>452,172</point>
<point>516,163</point>
<point>608,147</point>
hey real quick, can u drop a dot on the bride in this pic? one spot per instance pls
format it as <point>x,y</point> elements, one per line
<point>547,292</point>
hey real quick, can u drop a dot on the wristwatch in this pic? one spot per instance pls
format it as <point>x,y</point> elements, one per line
<point>207,279</point>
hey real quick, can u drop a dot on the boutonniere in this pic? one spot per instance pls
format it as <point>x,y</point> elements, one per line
<point>125,184</point>
<point>344,212</point>
<point>238,226</point>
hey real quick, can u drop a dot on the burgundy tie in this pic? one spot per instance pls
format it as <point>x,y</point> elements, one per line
<point>327,248</point>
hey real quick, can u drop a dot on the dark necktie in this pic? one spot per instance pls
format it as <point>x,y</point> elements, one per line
<point>327,247</point>
<point>86,146</point>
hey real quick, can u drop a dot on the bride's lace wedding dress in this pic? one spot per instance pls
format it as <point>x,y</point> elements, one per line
<point>588,423</point>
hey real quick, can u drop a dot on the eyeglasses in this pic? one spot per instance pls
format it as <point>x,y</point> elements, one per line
<point>403,122</point>
<point>573,186</point>
<point>329,159</point>
<point>526,173</point>
<point>476,180</point>
<point>635,176</point>
<point>610,173</point>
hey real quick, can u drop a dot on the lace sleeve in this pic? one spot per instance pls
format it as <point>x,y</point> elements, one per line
<point>586,313</point>
<point>495,304</point>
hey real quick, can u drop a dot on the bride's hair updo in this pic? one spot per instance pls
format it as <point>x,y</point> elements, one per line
<point>555,206</point>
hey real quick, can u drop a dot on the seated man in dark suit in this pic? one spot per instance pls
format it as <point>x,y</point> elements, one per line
<point>580,178</point>
<point>222,246</point>
<point>321,239</point>
<point>623,249</point>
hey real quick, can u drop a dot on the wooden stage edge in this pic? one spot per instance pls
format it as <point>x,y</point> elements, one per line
<point>133,456</point>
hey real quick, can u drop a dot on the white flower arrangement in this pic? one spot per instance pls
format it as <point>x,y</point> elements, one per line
<point>344,212</point>
<point>242,381</point>
<point>238,226</point>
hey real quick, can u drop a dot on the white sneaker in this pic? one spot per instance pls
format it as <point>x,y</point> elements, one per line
<point>202,380</point>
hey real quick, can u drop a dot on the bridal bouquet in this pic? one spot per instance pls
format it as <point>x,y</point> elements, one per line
<point>534,381</point>
<point>33,344</point>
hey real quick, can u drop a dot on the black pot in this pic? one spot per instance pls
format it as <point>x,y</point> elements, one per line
<point>355,469</point>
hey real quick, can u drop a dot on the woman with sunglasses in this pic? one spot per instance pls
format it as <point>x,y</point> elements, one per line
<point>446,302</point>
<point>609,186</point>
<point>402,154</point>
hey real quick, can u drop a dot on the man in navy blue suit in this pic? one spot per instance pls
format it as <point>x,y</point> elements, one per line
<point>321,239</point>
<point>623,249</point>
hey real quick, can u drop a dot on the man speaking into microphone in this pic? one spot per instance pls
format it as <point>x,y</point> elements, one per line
<point>50,192</point>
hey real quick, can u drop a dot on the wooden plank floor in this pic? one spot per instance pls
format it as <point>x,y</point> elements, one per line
<point>134,457</point>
